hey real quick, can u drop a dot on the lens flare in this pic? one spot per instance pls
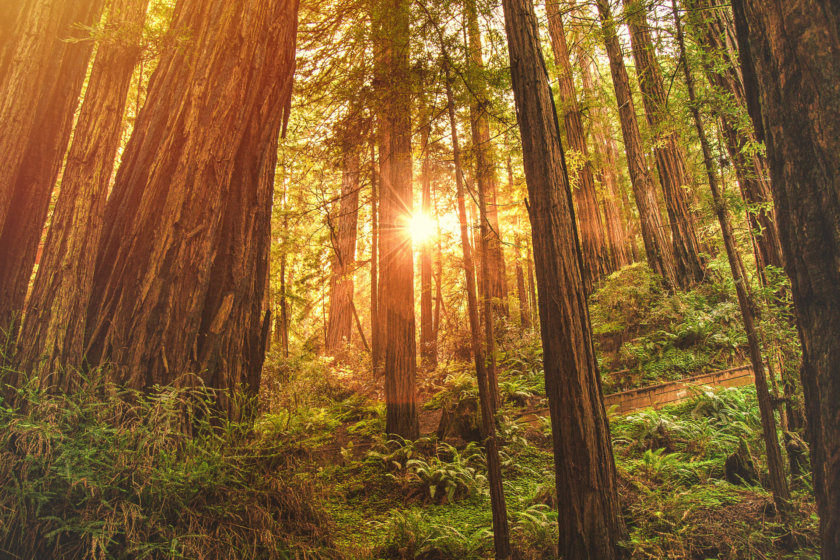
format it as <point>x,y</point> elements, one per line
<point>422,228</point>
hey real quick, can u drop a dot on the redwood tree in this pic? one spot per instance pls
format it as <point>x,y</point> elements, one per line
<point>39,91</point>
<point>181,268</point>
<point>657,245</point>
<point>589,518</point>
<point>790,51</point>
<point>55,315</point>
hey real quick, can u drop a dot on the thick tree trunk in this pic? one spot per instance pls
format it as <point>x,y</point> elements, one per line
<point>485,164</point>
<point>789,52</point>
<point>607,156</point>
<point>501,534</point>
<point>54,329</point>
<point>775,463</point>
<point>657,246</point>
<point>589,516</point>
<point>712,25</point>
<point>396,205</point>
<point>670,158</point>
<point>38,97</point>
<point>343,239</point>
<point>184,251</point>
<point>595,255</point>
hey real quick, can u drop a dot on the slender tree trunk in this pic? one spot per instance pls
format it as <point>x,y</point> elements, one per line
<point>595,256</point>
<point>485,163</point>
<point>607,155</point>
<point>39,93</point>
<point>501,535</point>
<point>187,228</point>
<point>375,317</point>
<point>532,287</point>
<point>712,24</point>
<point>521,291</point>
<point>590,522</point>
<point>657,246</point>
<point>428,342</point>
<point>670,158</point>
<point>54,328</point>
<point>782,43</point>
<point>775,463</point>
<point>396,206</point>
<point>343,239</point>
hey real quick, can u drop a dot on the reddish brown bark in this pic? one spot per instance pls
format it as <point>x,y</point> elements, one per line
<point>670,158</point>
<point>396,286</point>
<point>657,246</point>
<point>590,523</point>
<point>181,267</point>
<point>428,340</point>
<point>40,92</point>
<point>595,255</point>
<point>54,328</point>
<point>797,42</point>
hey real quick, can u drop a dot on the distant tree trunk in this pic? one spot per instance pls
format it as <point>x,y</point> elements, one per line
<point>775,463</point>
<point>54,328</point>
<point>590,522</point>
<point>39,92</point>
<point>712,25</point>
<point>375,317</point>
<point>181,267</point>
<point>670,158</point>
<point>521,291</point>
<point>428,341</point>
<point>595,256</point>
<point>343,239</point>
<point>396,206</point>
<point>501,535</point>
<point>485,163</point>
<point>607,155</point>
<point>532,287</point>
<point>657,246</point>
<point>797,42</point>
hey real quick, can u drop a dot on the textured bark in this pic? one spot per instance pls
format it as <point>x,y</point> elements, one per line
<point>670,158</point>
<point>343,239</point>
<point>501,534</point>
<point>657,246</point>
<point>54,328</point>
<point>607,155</point>
<point>184,252</point>
<point>38,98</point>
<point>590,523</point>
<point>485,164</point>
<point>396,206</point>
<point>775,463</point>
<point>713,27</point>
<point>428,340</point>
<point>789,52</point>
<point>595,255</point>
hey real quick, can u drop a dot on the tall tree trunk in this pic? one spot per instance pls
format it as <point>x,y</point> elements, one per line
<point>670,158</point>
<point>532,287</point>
<point>485,163</point>
<point>375,316</point>
<point>428,341</point>
<point>39,93</point>
<point>797,42</point>
<point>657,246</point>
<point>501,535</point>
<point>521,291</point>
<point>396,206</point>
<point>54,328</point>
<point>187,228</point>
<point>607,155</point>
<point>712,25</point>
<point>595,256</point>
<point>589,517</point>
<point>775,463</point>
<point>343,239</point>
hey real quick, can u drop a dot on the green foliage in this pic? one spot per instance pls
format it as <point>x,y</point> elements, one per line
<point>535,533</point>
<point>411,535</point>
<point>111,473</point>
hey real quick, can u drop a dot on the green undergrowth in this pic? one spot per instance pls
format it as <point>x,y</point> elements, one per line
<point>109,473</point>
<point>645,335</point>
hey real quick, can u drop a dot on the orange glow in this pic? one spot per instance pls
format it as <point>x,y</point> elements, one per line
<point>422,228</point>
